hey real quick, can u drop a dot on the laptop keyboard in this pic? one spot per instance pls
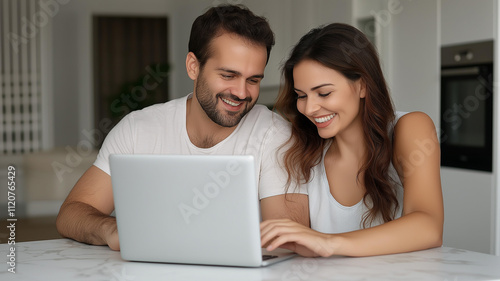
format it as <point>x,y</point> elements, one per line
<point>268,257</point>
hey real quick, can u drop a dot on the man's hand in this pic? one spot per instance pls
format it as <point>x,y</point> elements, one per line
<point>112,238</point>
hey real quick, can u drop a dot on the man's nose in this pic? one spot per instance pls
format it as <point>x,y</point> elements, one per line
<point>239,89</point>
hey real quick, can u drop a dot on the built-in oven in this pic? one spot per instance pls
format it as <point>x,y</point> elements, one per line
<point>467,106</point>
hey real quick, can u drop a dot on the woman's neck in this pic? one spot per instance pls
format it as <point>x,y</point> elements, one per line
<point>349,143</point>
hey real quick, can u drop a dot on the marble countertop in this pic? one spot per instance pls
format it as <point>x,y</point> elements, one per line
<point>64,259</point>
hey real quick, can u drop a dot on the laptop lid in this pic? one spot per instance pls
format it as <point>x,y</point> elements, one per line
<point>195,209</point>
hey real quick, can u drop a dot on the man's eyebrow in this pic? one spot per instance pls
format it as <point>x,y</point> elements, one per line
<point>229,70</point>
<point>239,73</point>
<point>257,76</point>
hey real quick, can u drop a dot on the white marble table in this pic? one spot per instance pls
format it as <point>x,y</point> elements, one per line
<point>64,259</point>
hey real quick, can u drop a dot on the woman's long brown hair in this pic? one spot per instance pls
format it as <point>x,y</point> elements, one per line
<point>345,49</point>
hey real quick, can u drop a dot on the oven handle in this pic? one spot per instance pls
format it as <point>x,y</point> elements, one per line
<point>460,71</point>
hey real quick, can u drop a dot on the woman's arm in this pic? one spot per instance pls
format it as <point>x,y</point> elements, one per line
<point>417,160</point>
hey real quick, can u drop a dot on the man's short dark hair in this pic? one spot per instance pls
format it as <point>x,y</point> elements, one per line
<point>236,19</point>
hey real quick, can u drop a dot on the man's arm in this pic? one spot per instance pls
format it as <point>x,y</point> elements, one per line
<point>277,201</point>
<point>294,206</point>
<point>85,214</point>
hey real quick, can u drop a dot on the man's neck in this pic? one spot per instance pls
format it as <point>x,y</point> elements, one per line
<point>201,130</point>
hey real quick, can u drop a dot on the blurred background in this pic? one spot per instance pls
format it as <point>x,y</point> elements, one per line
<point>70,69</point>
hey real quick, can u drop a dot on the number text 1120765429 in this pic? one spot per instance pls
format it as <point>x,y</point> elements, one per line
<point>11,220</point>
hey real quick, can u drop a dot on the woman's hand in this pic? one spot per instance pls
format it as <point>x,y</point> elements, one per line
<point>285,233</point>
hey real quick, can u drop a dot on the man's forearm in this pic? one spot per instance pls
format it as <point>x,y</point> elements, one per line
<point>84,223</point>
<point>293,206</point>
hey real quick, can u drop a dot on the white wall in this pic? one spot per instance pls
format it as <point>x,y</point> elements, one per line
<point>72,64</point>
<point>289,20</point>
<point>47,84</point>
<point>66,71</point>
<point>181,20</point>
<point>496,133</point>
<point>383,14</point>
<point>469,195</point>
<point>414,77</point>
<point>466,20</point>
<point>412,33</point>
<point>72,48</point>
<point>184,13</point>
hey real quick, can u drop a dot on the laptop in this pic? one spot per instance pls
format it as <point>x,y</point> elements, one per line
<point>189,209</point>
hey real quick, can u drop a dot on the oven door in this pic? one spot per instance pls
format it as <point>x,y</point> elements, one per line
<point>467,117</point>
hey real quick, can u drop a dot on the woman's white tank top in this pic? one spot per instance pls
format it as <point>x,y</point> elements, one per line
<point>329,216</point>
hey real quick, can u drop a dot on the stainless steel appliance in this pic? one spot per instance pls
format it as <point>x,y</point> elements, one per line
<point>467,106</point>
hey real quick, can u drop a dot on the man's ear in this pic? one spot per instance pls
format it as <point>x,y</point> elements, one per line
<point>192,66</point>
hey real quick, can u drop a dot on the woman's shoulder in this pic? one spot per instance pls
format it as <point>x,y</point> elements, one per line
<point>412,131</point>
<point>415,141</point>
<point>409,120</point>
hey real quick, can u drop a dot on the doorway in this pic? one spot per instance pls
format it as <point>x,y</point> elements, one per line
<point>130,66</point>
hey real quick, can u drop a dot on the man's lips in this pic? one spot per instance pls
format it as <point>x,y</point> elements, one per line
<point>232,103</point>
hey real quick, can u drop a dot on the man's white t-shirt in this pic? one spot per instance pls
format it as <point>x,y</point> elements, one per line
<point>161,129</point>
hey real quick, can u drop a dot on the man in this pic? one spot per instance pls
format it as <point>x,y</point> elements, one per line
<point>228,50</point>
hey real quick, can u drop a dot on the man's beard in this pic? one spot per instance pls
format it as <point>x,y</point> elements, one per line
<point>209,105</point>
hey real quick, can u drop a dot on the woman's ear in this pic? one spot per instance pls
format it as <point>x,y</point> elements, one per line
<point>362,88</point>
<point>192,66</point>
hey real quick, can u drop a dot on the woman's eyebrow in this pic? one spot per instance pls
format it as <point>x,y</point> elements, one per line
<point>322,85</point>
<point>316,87</point>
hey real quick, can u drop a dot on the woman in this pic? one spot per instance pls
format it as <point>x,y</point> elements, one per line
<point>373,174</point>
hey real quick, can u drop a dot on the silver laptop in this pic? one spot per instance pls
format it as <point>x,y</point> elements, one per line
<point>190,209</point>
